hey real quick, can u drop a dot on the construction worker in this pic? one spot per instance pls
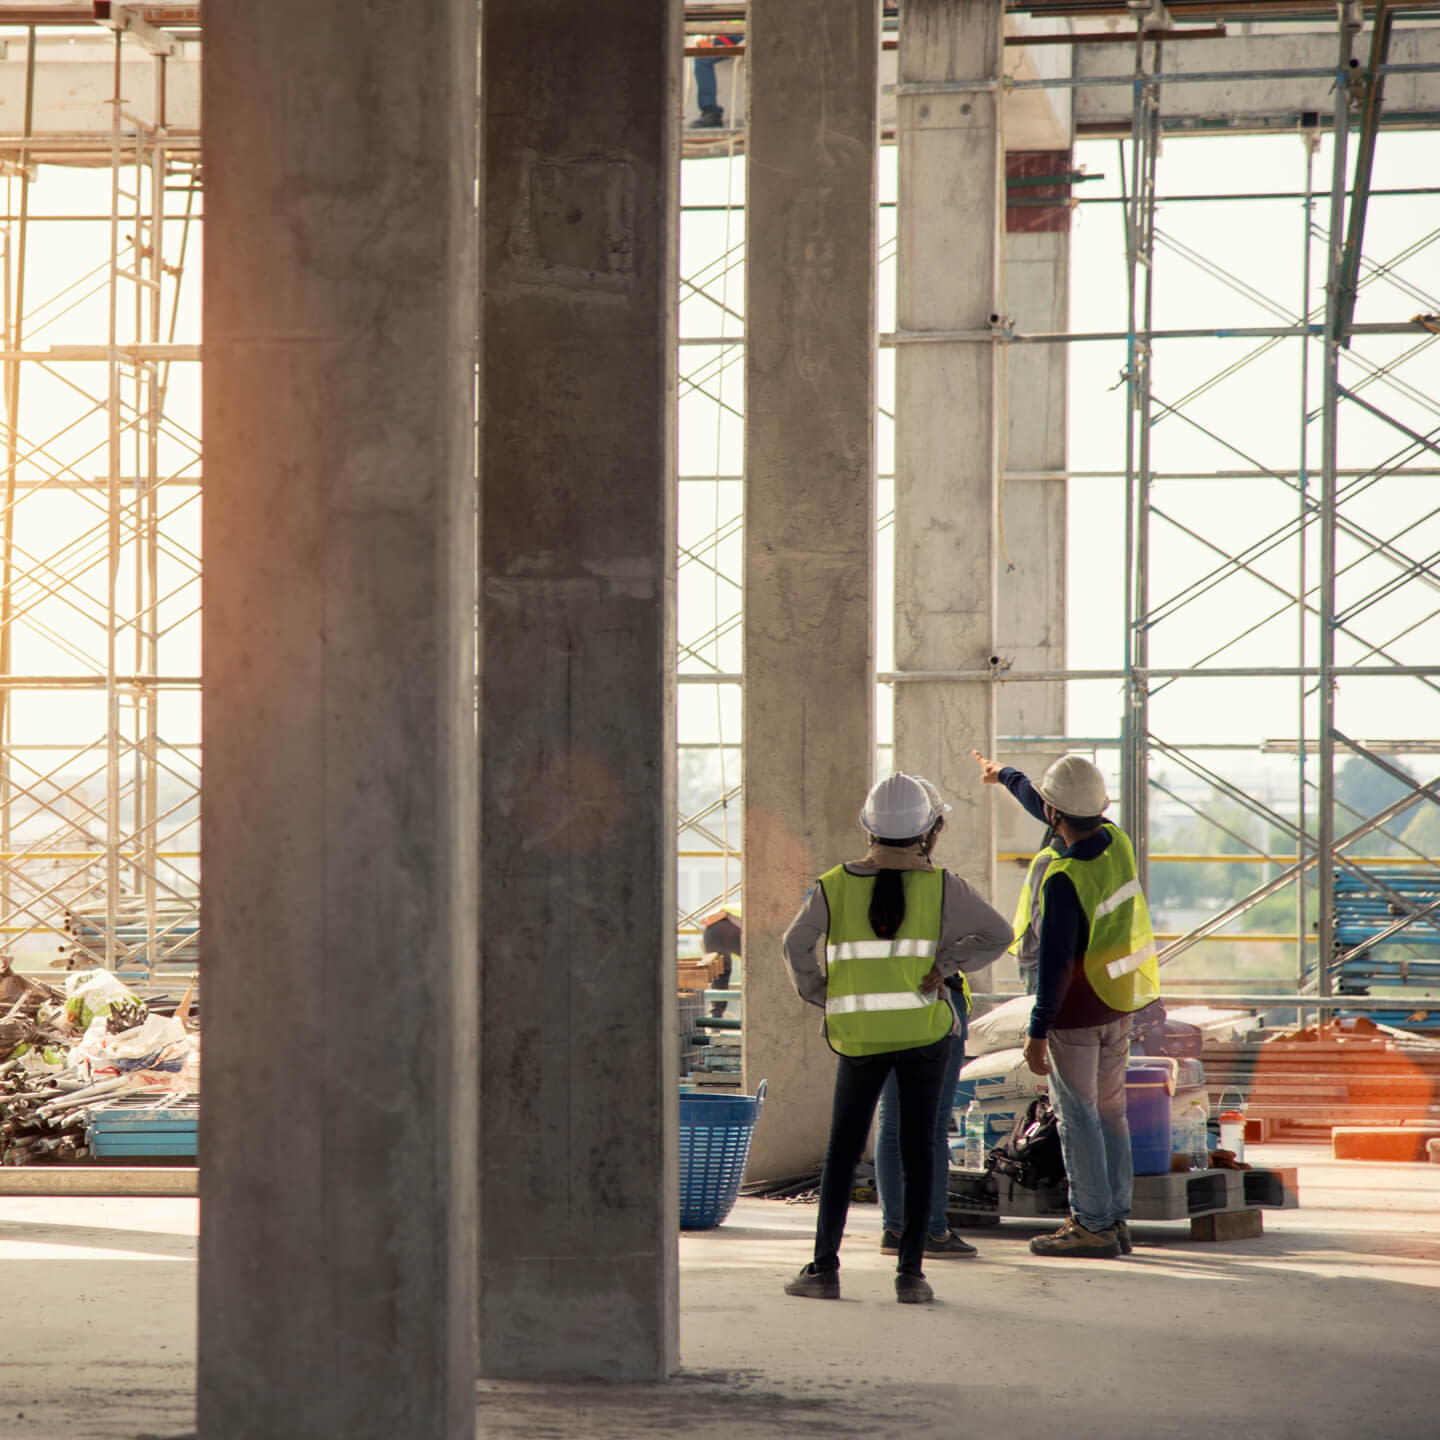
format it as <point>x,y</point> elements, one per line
<point>1026,945</point>
<point>707,99</point>
<point>721,939</point>
<point>1096,967</point>
<point>895,929</point>
<point>940,1239</point>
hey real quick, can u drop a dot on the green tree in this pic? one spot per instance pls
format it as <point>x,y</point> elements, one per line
<point>1363,789</point>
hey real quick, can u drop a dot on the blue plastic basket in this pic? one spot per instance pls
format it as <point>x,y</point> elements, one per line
<point>715,1133</point>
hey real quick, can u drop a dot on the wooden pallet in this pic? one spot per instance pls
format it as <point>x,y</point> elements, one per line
<point>979,1198</point>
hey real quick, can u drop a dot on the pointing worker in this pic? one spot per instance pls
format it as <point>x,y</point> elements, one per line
<point>1096,967</point>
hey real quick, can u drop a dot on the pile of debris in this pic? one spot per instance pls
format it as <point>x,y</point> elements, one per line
<point>66,1055</point>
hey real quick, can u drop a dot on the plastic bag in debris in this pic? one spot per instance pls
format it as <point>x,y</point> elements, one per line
<point>91,993</point>
<point>47,1060</point>
<point>158,1048</point>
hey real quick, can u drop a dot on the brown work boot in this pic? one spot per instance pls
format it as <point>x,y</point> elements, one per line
<point>1072,1238</point>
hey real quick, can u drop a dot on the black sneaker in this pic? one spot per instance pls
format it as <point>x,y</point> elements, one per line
<point>913,1290</point>
<point>949,1246</point>
<point>1122,1237</point>
<point>712,117</point>
<point>815,1284</point>
<point>889,1242</point>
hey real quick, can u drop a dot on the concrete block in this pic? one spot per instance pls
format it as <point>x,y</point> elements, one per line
<point>1390,1142</point>
<point>1228,1225</point>
<point>1271,1189</point>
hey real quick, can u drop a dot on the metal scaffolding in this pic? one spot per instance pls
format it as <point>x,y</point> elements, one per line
<point>1280,620</point>
<point>99,541</point>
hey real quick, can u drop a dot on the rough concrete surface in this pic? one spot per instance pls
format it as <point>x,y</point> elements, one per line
<point>1321,1327</point>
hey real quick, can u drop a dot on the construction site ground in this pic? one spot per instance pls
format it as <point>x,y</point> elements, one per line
<point>1323,1326</point>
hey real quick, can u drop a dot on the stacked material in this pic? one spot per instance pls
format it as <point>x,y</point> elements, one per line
<point>1371,904</point>
<point>1301,1084</point>
<point>175,940</point>
<point>66,1056</point>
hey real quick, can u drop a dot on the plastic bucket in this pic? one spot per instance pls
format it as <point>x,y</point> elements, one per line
<point>1147,1108</point>
<point>715,1132</point>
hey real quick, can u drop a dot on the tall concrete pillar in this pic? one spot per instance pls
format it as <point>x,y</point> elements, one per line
<point>809,703</point>
<point>578,1242</point>
<point>951,173</point>
<point>337,1155</point>
<point>1030,623</point>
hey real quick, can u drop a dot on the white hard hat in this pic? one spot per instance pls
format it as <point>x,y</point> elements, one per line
<point>936,803</point>
<point>898,809</point>
<point>1074,786</point>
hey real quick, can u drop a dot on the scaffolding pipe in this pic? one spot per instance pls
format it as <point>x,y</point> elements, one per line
<point>1325,822</point>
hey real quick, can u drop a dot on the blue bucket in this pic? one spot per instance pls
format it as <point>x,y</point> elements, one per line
<point>715,1133</point>
<point>1147,1108</point>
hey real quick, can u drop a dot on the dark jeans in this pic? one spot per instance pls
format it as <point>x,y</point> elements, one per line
<point>919,1074</point>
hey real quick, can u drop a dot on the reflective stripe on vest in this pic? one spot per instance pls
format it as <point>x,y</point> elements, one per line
<point>873,1002</point>
<point>1120,958</point>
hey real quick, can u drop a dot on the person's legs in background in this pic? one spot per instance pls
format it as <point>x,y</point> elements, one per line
<point>706,96</point>
<point>888,1179</point>
<point>939,1239</point>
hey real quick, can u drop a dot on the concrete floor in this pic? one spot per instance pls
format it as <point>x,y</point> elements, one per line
<point>1325,1326</point>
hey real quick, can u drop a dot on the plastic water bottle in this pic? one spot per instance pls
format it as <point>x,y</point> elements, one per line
<point>1199,1118</point>
<point>974,1137</point>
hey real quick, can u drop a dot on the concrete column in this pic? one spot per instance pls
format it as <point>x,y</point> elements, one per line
<point>1030,622</point>
<point>951,170</point>
<point>579,1197</point>
<point>809,707</point>
<point>337,1154</point>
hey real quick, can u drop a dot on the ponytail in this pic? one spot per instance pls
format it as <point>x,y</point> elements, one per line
<point>887,903</point>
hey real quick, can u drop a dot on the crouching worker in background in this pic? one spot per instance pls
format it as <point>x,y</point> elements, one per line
<point>1096,967</point>
<point>895,929</point>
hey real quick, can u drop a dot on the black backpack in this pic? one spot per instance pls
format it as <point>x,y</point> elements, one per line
<point>1030,1154</point>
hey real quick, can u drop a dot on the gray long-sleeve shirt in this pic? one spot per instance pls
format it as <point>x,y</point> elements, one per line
<point>972,933</point>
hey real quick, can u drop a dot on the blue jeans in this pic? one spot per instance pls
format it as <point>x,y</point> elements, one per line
<point>889,1180</point>
<point>705,96</point>
<point>1087,1088</point>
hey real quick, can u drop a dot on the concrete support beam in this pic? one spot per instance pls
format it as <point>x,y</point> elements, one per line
<point>338,1138</point>
<point>809,706</point>
<point>951,177</point>
<point>579,1195</point>
<point>1265,103</point>
<point>1030,580</point>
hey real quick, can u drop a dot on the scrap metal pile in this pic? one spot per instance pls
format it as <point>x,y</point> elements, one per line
<point>64,1055</point>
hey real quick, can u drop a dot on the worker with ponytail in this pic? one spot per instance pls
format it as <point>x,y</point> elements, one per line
<point>895,929</point>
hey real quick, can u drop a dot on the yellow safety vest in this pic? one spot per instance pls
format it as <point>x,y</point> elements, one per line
<point>873,1001</point>
<point>1027,896</point>
<point>1120,958</point>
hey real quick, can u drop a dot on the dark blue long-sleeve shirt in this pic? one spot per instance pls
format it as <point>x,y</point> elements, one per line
<point>1064,997</point>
